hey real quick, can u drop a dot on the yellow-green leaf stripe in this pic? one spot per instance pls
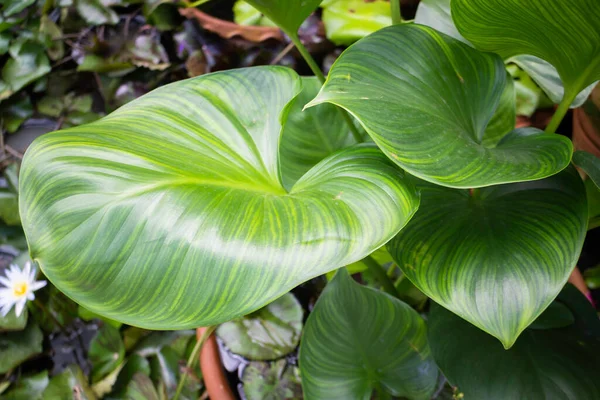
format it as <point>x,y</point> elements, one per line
<point>170,213</point>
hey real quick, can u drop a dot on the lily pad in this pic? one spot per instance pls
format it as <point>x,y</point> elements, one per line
<point>28,387</point>
<point>269,333</point>
<point>271,381</point>
<point>347,21</point>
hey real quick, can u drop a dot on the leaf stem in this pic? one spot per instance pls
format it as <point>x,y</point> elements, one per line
<point>193,358</point>
<point>381,275</point>
<point>396,14</point>
<point>319,74</point>
<point>382,394</point>
<point>560,113</point>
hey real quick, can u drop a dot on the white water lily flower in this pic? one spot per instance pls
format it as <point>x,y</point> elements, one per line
<point>19,287</point>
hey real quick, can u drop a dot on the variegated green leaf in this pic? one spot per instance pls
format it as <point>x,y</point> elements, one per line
<point>358,339</point>
<point>311,135</point>
<point>170,213</point>
<point>559,363</point>
<point>287,14</point>
<point>496,256</point>
<point>564,33</point>
<point>426,100</point>
<point>590,164</point>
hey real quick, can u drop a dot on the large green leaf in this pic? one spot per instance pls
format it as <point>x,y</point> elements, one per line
<point>288,15</point>
<point>437,14</point>
<point>558,363</point>
<point>311,135</point>
<point>267,334</point>
<point>497,256</point>
<point>359,339</point>
<point>426,100</point>
<point>178,195</point>
<point>589,163</point>
<point>564,33</point>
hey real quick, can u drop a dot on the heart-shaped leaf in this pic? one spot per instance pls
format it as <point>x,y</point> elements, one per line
<point>426,100</point>
<point>558,363</point>
<point>437,14</point>
<point>106,353</point>
<point>590,164</point>
<point>288,15</point>
<point>311,135</point>
<point>497,256</point>
<point>178,195</point>
<point>359,339</point>
<point>564,33</point>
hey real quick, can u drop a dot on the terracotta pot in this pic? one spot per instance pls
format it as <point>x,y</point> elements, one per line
<point>217,385</point>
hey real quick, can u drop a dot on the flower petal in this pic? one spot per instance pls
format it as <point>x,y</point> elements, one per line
<point>37,285</point>
<point>5,281</point>
<point>19,307</point>
<point>5,309</point>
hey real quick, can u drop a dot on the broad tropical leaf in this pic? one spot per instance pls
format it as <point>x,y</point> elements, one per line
<point>288,15</point>
<point>590,164</point>
<point>557,363</point>
<point>437,14</point>
<point>426,100</point>
<point>564,33</point>
<point>178,195</point>
<point>498,256</point>
<point>358,340</point>
<point>311,135</point>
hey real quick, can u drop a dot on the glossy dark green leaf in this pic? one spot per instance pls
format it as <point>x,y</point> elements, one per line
<point>358,340</point>
<point>178,194</point>
<point>557,315</point>
<point>564,33</point>
<point>347,21</point>
<point>590,164</point>
<point>288,15</point>
<point>106,352</point>
<point>25,67</point>
<point>28,387</point>
<point>437,14</point>
<point>497,256</point>
<point>14,112</point>
<point>16,347</point>
<point>271,381</point>
<point>426,100</point>
<point>266,334</point>
<point>543,364</point>
<point>67,383</point>
<point>311,135</point>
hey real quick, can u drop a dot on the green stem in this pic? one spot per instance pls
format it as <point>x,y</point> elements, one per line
<point>382,394</point>
<point>396,15</point>
<point>191,362</point>
<point>379,272</point>
<point>314,67</point>
<point>560,113</point>
<point>319,74</point>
